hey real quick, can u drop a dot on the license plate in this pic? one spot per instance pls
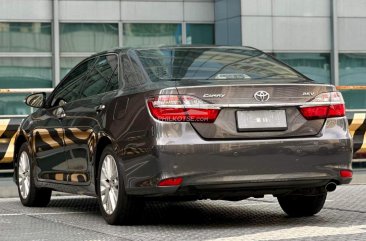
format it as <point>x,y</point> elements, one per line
<point>256,120</point>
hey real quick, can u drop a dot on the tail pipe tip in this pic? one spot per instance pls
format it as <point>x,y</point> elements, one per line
<point>330,187</point>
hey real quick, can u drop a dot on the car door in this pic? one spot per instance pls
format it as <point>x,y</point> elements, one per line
<point>83,118</point>
<point>48,144</point>
<point>129,114</point>
<point>49,136</point>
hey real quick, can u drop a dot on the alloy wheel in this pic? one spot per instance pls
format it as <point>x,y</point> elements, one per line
<point>109,184</point>
<point>24,174</point>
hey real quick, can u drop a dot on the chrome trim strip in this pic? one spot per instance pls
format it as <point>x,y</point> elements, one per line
<point>12,116</point>
<point>218,106</point>
<point>251,85</point>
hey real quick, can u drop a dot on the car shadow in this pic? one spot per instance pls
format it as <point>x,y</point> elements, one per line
<point>198,214</point>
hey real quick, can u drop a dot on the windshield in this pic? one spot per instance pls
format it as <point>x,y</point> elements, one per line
<point>244,64</point>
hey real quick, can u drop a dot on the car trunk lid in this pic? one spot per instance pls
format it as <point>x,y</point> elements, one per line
<point>242,104</point>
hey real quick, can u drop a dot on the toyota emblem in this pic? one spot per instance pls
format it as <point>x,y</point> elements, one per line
<point>261,96</point>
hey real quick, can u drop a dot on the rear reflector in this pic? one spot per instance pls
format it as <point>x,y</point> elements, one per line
<point>175,181</point>
<point>181,108</point>
<point>346,173</point>
<point>331,104</point>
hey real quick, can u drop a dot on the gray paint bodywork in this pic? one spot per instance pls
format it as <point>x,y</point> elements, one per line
<point>214,159</point>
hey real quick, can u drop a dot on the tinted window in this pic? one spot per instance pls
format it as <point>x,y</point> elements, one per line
<point>131,72</point>
<point>113,82</point>
<point>69,88</point>
<point>242,64</point>
<point>104,70</point>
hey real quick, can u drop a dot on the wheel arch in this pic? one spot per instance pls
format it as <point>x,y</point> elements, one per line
<point>17,144</point>
<point>103,141</point>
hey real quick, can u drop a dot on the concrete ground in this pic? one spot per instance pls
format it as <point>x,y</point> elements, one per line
<point>359,176</point>
<point>78,218</point>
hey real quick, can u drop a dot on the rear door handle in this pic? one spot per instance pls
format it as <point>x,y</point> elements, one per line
<point>100,108</point>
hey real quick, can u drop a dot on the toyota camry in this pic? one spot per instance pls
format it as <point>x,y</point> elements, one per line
<point>184,123</point>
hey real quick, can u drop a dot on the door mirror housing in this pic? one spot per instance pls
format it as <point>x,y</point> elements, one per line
<point>36,100</point>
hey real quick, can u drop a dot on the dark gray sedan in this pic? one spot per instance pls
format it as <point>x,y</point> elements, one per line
<point>184,123</point>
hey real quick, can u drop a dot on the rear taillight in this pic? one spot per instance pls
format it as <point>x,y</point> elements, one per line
<point>323,106</point>
<point>181,108</point>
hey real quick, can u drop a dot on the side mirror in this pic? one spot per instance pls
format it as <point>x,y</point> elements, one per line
<point>37,100</point>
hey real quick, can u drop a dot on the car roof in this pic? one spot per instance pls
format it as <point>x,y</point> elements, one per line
<point>125,49</point>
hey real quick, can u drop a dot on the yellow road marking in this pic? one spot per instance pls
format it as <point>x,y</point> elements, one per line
<point>3,125</point>
<point>4,140</point>
<point>9,154</point>
<point>363,147</point>
<point>357,121</point>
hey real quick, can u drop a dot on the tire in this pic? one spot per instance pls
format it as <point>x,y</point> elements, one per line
<point>302,206</point>
<point>110,186</point>
<point>29,194</point>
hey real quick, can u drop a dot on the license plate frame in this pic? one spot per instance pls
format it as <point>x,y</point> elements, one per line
<point>261,120</point>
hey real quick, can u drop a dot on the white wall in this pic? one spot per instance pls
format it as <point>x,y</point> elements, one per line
<point>303,25</point>
<point>352,25</point>
<point>24,10</point>
<point>137,10</point>
<point>287,25</point>
<point>110,10</point>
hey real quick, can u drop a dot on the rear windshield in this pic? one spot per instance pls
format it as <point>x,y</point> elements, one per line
<point>243,64</point>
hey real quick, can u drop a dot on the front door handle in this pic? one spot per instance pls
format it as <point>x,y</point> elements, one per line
<point>99,108</point>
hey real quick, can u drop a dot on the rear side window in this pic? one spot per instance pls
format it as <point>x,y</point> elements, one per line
<point>113,82</point>
<point>131,73</point>
<point>103,77</point>
<point>70,87</point>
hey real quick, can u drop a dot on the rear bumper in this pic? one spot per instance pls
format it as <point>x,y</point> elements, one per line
<point>246,166</point>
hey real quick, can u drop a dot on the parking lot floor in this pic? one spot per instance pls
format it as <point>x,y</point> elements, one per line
<point>78,218</point>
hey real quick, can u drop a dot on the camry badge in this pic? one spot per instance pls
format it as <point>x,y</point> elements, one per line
<point>213,95</point>
<point>261,96</point>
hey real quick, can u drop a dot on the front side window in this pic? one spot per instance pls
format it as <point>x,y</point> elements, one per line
<point>69,88</point>
<point>104,71</point>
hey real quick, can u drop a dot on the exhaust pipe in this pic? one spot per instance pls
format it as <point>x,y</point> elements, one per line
<point>330,187</point>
